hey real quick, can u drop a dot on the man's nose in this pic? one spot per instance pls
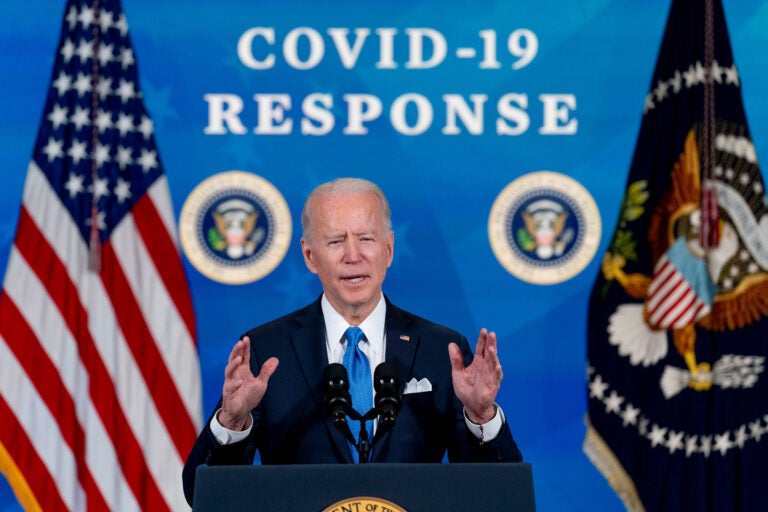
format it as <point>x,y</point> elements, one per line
<point>351,250</point>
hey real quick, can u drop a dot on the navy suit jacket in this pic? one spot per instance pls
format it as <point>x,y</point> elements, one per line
<point>292,426</point>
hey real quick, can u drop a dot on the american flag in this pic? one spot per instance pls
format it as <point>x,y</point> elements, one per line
<point>99,372</point>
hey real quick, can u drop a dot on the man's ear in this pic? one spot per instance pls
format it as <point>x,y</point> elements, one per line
<point>306,250</point>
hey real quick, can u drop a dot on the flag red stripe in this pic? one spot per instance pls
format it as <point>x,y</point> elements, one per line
<point>687,300</point>
<point>675,282</point>
<point>165,258</point>
<point>668,303</point>
<point>19,447</point>
<point>63,292</point>
<point>700,305</point>
<point>658,281</point>
<point>168,401</point>
<point>45,377</point>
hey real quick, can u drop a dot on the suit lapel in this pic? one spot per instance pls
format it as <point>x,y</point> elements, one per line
<point>309,345</point>
<point>402,343</point>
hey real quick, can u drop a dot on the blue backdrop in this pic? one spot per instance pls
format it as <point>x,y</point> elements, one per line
<point>594,58</point>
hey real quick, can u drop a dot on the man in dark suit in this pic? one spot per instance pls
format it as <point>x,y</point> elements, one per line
<point>448,395</point>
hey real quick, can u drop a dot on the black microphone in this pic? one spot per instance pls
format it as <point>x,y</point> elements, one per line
<point>338,402</point>
<point>387,401</point>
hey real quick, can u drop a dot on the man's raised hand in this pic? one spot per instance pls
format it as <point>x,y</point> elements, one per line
<point>242,390</point>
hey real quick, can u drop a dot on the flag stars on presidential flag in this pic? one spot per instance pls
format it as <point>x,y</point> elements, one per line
<point>613,402</point>
<point>696,74</point>
<point>114,134</point>
<point>629,415</point>
<point>661,436</point>
<point>675,441</point>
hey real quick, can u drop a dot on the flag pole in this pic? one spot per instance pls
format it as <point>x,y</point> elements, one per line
<point>709,233</point>
<point>94,240</point>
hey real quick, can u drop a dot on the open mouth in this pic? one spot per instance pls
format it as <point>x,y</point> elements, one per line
<point>353,279</point>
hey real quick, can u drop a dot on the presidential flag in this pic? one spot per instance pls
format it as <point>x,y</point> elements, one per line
<point>677,331</point>
<point>99,374</point>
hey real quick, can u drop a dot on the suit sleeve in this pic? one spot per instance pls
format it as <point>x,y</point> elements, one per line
<point>207,451</point>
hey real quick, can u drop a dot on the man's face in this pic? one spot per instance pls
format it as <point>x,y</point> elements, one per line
<point>350,250</point>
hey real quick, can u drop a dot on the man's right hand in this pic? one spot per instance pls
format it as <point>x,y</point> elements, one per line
<point>242,390</point>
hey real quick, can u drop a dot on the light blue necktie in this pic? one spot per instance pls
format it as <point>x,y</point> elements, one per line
<point>360,385</point>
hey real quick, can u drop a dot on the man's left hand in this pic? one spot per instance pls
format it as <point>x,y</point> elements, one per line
<point>478,384</point>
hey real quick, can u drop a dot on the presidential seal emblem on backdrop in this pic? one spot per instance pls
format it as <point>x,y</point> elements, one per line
<point>235,227</point>
<point>544,227</point>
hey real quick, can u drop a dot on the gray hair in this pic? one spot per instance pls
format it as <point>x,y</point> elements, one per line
<point>345,186</point>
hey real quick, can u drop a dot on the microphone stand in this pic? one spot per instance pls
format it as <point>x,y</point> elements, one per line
<point>363,444</point>
<point>363,448</point>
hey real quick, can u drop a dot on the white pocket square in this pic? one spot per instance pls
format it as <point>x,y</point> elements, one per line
<point>417,386</point>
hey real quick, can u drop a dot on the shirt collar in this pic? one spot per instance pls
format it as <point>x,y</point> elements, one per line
<point>372,326</point>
